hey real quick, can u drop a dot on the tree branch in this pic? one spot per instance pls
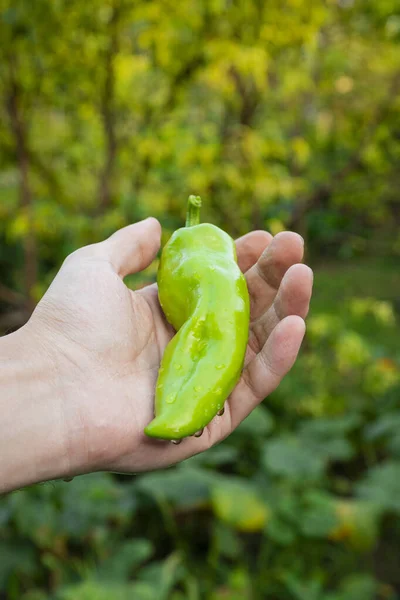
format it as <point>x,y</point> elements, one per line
<point>249,98</point>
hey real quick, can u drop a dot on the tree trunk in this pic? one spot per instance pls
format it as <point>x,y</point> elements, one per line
<point>108,117</point>
<point>19,130</point>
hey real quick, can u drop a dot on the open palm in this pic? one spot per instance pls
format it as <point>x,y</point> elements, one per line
<point>106,342</point>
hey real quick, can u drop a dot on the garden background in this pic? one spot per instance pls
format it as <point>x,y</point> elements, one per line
<point>281,114</point>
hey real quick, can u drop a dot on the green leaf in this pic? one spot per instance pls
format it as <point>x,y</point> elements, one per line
<point>326,438</point>
<point>221,454</point>
<point>164,575</point>
<point>5,513</point>
<point>286,456</point>
<point>259,423</point>
<point>227,540</point>
<point>281,532</point>
<point>330,427</point>
<point>124,558</point>
<point>319,517</point>
<point>393,446</point>
<point>35,595</point>
<point>16,557</point>
<point>35,518</point>
<point>385,426</point>
<point>386,430</point>
<point>300,589</point>
<point>381,486</point>
<point>186,487</point>
<point>90,500</point>
<point>356,587</point>
<point>304,457</point>
<point>95,590</point>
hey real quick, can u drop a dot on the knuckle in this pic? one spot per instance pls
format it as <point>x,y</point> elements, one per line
<point>140,250</point>
<point>250,383</point>
<point>270,366</point>
<point>83,253</point>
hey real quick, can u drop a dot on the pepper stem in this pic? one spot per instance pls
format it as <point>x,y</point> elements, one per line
<point>193,211</point>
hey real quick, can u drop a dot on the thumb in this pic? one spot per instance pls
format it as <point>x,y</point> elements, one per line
<point>132,248</point>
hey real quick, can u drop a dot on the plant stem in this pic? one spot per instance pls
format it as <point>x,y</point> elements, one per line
<point>193,211</point>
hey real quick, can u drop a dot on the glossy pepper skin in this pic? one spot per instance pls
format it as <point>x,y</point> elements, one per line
<point>204,296</point>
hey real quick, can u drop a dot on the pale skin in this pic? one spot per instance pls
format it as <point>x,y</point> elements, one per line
<point>77,381</point>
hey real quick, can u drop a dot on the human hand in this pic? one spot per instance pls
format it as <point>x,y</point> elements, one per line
<point>104,343</point>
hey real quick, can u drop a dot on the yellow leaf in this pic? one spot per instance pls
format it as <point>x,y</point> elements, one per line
<point>381,376</point>
<point>344,84</point>
<point>275,226</point>
<point>352,351</point>
<point>237,504</point>
<point>357,524</point>
<point>19,227</point>
<point>301,150</point>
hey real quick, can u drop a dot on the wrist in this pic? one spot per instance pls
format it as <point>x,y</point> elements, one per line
<point>33,440</point>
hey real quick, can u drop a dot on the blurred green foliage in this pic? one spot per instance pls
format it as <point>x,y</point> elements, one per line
<point>281,114</point>
<point>300,502</point>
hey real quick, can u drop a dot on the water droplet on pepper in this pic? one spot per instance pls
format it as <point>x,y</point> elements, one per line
<point>170,399</point>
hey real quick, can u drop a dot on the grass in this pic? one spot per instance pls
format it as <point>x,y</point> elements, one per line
<point>337,283</point>
<point>364,278</point>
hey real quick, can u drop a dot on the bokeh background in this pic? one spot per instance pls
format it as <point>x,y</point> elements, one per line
<point>281,114</point>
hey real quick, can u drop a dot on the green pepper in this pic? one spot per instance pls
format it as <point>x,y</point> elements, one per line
<point>204,296</point>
